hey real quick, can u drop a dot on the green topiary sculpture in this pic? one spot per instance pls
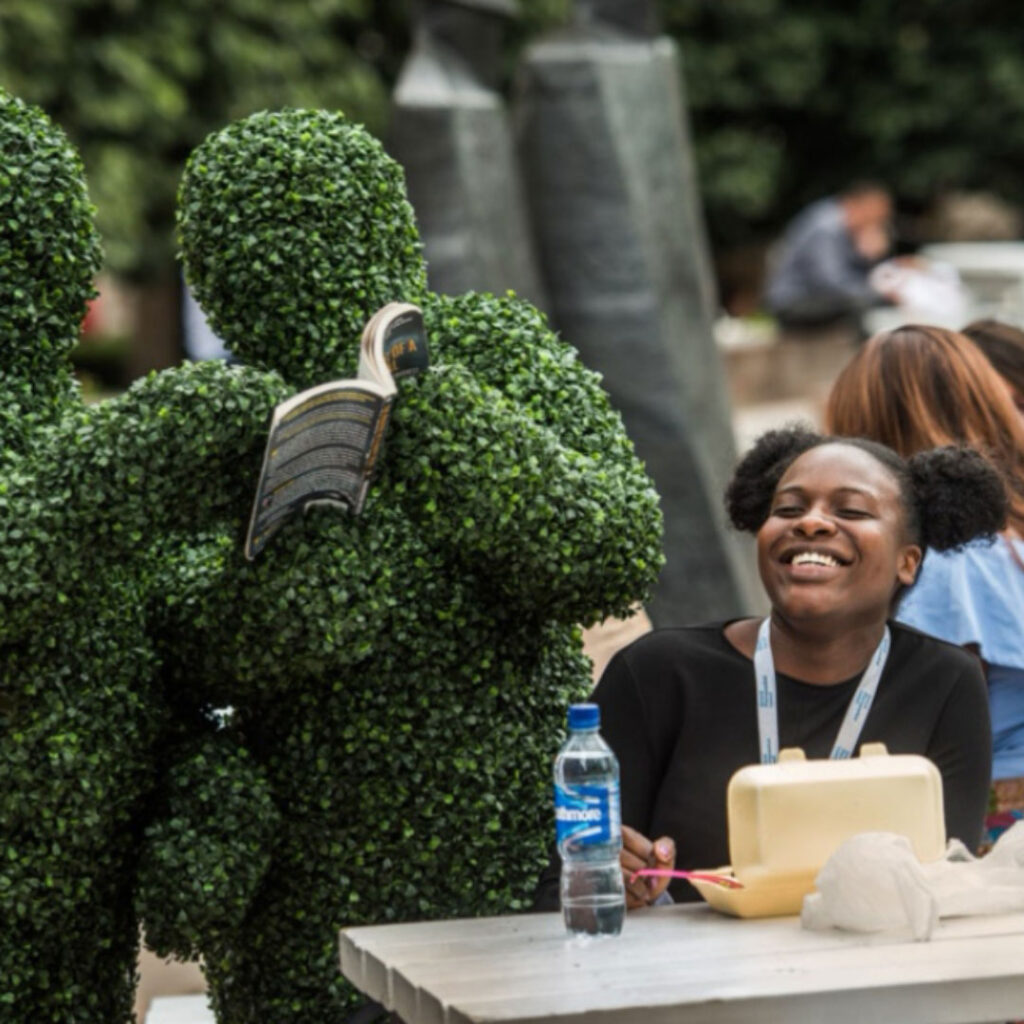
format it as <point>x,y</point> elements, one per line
<point>400,678</point>
<point>49,254</point>
<point>83,492</point>
<point>358,725</point>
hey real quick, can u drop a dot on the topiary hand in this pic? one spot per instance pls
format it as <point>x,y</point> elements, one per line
<point>559,531</point>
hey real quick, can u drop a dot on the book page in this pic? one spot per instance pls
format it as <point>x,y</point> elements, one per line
<point>325,442</point>
<point>321,445</point>
<point>394,344</point>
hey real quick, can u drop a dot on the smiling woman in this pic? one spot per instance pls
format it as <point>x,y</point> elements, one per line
<point>835,547</point>
<point>841,528</point>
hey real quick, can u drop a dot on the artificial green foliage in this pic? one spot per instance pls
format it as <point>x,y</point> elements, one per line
<point>217,870</point>
<point>69,781</point>
<point>287,213</point>
<point>401,678</point>
<point>548,501</point>
<point>49,253</point>
<point>358,726</point>
<point>78,724</point>
<point>85,728</point>
<point>107,474</point>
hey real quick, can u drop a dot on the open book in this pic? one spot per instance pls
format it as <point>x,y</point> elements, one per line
<point>324,442</point>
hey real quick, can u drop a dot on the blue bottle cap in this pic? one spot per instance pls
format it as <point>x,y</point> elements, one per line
<point>584,716</point>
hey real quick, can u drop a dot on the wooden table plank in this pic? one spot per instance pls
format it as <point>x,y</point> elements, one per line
<point>686,963</point>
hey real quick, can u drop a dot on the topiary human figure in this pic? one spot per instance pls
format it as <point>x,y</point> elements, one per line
<point>51,253</point>
<point>64,842</point>
<point>83,490</point>
<point>400,678</point>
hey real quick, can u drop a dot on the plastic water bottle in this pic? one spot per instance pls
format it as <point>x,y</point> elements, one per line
<point>588,825</point>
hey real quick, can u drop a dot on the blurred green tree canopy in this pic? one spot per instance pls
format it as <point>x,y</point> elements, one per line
<point>790,99</point>
<point>138,83</point>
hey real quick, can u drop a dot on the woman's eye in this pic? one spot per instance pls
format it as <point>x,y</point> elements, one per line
<point>787,510</point>
<point>854,513</point>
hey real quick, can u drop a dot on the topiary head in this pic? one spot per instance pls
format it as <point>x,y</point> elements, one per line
<point>49,246</point>
<point>294,228</point>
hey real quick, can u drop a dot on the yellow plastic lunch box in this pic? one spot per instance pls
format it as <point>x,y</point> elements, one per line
<point>786,820</point>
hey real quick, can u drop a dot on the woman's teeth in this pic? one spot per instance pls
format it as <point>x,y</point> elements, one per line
<point>814,558</point>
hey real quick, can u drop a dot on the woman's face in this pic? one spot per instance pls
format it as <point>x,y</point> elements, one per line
<point>834,545</point>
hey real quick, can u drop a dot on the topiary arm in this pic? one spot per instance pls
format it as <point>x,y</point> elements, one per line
<point>565,534</point>
<point>178,450</point>
<point>507,343</point>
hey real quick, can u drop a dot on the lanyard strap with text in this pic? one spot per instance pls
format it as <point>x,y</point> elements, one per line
<point>767,703</point>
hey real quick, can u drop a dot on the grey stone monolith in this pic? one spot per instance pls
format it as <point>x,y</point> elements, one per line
<point>611,182</point>
<point>450,131</point>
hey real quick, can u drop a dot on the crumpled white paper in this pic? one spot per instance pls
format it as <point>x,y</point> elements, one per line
<point>873,882</point>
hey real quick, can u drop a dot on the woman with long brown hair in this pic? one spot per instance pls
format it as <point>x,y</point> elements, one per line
<point>914,389</point>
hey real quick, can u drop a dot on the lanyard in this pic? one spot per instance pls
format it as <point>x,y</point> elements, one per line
<point>767,710</point>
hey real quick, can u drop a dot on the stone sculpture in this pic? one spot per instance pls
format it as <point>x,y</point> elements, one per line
<point>450,132</point>
<point>610,177</point>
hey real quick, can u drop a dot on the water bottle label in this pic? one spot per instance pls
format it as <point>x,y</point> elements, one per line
<point>585,815</point>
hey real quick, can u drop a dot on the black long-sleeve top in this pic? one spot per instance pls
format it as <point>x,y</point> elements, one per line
<point>678,708</point>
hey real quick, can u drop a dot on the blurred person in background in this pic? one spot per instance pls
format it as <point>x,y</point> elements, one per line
<point>913,389</point>
<point>1003,345</point>
<point>819,273</point>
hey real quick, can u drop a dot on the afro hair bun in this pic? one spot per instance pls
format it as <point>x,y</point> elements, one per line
<point>960,496</point>
<point>748,497</point>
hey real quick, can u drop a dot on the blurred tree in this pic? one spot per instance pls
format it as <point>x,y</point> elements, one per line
<point>791,99</point>
<point>537,15</point>
<point>138,83</point>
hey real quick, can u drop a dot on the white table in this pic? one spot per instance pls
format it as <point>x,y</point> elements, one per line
<point>180,1010</point>
<point>687,964</point>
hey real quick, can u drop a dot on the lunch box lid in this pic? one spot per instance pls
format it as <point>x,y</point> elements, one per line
<point>786,819</point>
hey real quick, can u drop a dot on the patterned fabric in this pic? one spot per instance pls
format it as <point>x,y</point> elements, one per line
<point>1006,806</point>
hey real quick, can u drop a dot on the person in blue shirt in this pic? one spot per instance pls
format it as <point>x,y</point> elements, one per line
<point>820,270</point>
<point>913,389</point>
